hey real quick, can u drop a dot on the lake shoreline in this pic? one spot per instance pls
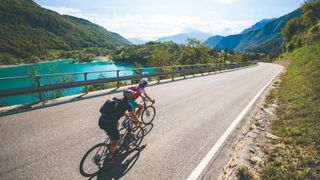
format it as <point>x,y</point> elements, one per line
<point>98,58</point>
<point>23,64</point>
<point>61,67</point>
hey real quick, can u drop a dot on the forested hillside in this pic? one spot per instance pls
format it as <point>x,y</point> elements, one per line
<point>303,30</point>
<point>28,32</point>
<point>263,37</point>
<point>268,38</point>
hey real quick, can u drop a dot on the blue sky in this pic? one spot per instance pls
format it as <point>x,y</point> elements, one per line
<point>151,19</point>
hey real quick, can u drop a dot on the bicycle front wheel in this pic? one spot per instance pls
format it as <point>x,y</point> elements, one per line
<point>148,114</point>
<point>93,160</point>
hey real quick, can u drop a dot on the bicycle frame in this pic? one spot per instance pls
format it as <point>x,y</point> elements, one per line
<point>144,100</point>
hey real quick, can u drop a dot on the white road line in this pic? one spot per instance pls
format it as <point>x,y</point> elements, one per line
<point>204,162</point>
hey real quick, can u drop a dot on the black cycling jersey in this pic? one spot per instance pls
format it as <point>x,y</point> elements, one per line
<point>120,108</point>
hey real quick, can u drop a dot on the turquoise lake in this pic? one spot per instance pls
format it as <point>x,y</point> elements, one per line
<point>56,67</point>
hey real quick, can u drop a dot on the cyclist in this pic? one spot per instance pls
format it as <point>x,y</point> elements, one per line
<point>139,90</point>
<point>109,121</point>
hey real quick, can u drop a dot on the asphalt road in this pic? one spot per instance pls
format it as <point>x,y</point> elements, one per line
<point>192,114</point>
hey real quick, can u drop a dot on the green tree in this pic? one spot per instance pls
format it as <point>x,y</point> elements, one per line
<point>136,71</point>
<point>186,55</point>
<point>225,55</point>
<point>304,29</point>
<point>311,10</point>
<point>160,57</point>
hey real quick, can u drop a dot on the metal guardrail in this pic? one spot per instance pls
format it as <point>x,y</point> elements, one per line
<point>159,71</point>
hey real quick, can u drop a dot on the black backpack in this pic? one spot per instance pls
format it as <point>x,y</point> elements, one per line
<point>110,106</point>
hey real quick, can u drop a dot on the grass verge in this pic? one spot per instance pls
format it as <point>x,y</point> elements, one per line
<point>296,155</point>
<point>244,173</point>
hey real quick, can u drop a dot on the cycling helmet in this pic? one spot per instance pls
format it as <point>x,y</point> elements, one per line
<point>128,93</point>
<point>143,83</point>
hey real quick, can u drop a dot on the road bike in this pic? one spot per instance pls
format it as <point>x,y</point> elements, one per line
<point>131,136</point>
<point>148,111</point>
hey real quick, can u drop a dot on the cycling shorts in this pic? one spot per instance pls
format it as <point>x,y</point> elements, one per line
<point>133,104</point>
<point>110,127</point>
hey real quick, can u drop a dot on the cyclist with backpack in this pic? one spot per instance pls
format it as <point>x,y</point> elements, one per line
<point>139,89</point>
<point>111,112</point>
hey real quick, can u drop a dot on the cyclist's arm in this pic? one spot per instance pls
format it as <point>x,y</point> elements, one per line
<point>134,117</point>
<point>145,94</point>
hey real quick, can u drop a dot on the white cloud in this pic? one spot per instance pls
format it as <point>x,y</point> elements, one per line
<point>226,1</point>
<point>154,26</point>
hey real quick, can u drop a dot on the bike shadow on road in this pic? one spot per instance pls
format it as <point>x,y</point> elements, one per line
<point>122,165</point>
<point>147,128</point>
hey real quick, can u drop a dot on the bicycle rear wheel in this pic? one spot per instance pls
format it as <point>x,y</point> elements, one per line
<point>148,114</point>
<point>93,160</point>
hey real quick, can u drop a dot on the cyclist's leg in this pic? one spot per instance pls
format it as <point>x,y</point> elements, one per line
<point>112,131</point>
<point>114,146</point>
<point>114,135</point>
<point>139,106</point>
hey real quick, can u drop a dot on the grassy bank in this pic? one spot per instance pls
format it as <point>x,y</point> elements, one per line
<point>296,155</point>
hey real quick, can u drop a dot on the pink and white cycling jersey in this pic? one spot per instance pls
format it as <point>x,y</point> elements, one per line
<point>138,91</point>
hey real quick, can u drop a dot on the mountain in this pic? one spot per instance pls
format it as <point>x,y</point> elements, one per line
<point>231,41</point>
<point>182,38</point>
<point>257,25</point>
<point>137,41</point>
<point>27,29</point>
<point>99,31</point>
<point>213,41</point>
<point>266,39</point>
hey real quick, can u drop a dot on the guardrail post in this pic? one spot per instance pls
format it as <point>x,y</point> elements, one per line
<point>118,83</point>
<point>192,67</point>
<point>37,77</point>
<point>172,75</point>
<point>85,79</point>
<point>159,75</point>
